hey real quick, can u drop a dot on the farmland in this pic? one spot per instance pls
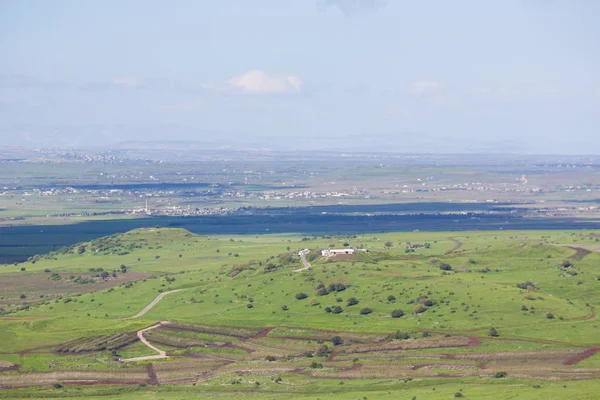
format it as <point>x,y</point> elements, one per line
<point>425,314</point>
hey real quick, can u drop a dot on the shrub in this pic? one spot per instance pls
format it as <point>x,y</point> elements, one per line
<point>366,311</point>
<point>337,310</point>
<point>270,358</point>
<point>315,365</point>
<point>445,267</point>
<point>458,394</point>
<point>420,309</point>
<point>391,297</point>
<point>284,307</point>
<point>494,332</point>
<point>301,296</point>
<point>401,336</point>
<point>397,313</point>
<point>500,374</point>
<point>337,340</point>
<point>549,315</point>
<point>328,309</point>
<point>352,301</point>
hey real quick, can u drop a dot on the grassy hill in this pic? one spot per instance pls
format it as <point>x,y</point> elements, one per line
<point>416,308</point>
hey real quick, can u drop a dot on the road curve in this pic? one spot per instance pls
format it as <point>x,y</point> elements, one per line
<point>152,304</point>
<point>304,262</point>
<point>140,334</point>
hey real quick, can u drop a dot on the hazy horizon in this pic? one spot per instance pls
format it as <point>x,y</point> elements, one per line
<point>518,76</point>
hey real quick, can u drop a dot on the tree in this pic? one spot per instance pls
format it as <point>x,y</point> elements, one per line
<point>397,313</point>
<point>104,274</point>
<point>388,244</point>
<point>352,301</point>
<point>301,296</point>
<point>445,267</point>
<point>337,310</point>
<point>337,340</point>
<point>494,332</point>
<point>391,297</point>
<point>366,311</point>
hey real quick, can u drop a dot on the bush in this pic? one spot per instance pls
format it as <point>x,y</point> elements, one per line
<point>366,311</point>
<point>549,315</point>
<point>397,313</point>
<point>337,310</point>
<point>420,309</point>
<point>284,307</point>
<point>352,301</point>
<point>391,298</point>
<point>494,332</point>
<point>271,358</point>
<point>328,309</point>
<point>337,340</point>
<point>401,336</point>
<point>501,374</point>
<point>458,394</point>
<point>301,296</point>
<point>445,267</point>
<point>315,365</point>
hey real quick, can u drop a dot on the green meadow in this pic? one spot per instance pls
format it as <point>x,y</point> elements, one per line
<point>488,314</point>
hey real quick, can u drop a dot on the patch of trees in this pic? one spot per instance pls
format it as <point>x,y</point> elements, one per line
<point>334,310</point>
<point>526,285</point>
<point>333,287</point>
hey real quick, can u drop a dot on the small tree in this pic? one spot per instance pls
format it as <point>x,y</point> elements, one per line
<point>337,310</point>
<point>445,267</point>
<point>388,245</point>
<point>494,332</point>
<point>301,296</point>
<point>366,311</point>
<point>337,340</point>
<point>397,313</point>
<point>391,297</point>
<point>352,301</point>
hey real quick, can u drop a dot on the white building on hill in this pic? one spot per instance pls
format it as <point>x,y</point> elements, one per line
<point>334,252</point>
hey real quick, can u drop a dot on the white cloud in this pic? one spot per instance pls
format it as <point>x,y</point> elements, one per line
<point>258,81</point>
<point>424,88</point>
<point>128,82</point>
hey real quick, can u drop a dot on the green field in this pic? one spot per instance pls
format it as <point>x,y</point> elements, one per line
<point>244,324</point>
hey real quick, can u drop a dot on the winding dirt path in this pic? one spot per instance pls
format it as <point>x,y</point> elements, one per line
<point>304,262</point>
<point>457,245</point>
<point>152,304</point>
<point>140,334</point>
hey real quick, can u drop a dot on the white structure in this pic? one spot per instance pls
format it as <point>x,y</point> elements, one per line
<point>303,252</point>
<point>334,252</point>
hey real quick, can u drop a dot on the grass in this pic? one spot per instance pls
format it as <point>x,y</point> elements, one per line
<point>229,298</point>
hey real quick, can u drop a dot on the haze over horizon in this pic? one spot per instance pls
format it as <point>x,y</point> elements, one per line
<point>517,76</point>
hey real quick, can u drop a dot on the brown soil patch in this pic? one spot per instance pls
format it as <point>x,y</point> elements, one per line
<point>582,356</point>
<point>152,378</point>
<point>579,252</point>
<point>34,285</point>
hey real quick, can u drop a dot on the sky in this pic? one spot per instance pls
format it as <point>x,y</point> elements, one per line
<point>516,76</point>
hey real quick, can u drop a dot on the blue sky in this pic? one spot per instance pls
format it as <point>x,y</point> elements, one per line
<point>431,75</point>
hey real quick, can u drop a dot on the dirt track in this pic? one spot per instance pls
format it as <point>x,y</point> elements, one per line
<point>140,334</point>
<point>152,304</point>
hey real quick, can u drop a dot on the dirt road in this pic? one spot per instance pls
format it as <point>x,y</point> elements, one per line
<point>304,262</point>
<point>152,304</point>
<point>140,334</point>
